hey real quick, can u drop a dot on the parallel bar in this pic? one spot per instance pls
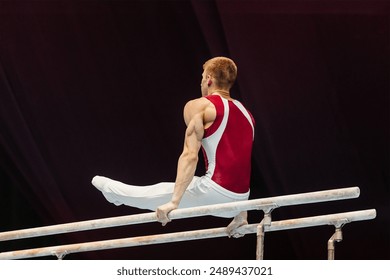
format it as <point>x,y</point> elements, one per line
<point>188,235</point>
<point>255,204</point>
<point>331,219</point>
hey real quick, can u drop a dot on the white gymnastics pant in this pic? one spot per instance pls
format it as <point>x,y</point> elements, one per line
<point>201,191</point>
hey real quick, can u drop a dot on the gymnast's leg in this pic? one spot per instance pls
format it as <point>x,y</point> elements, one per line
<point>201,191</point>
<point>142,197</point>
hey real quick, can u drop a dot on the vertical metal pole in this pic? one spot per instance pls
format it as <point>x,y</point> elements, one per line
<point>336,237</point>
<point>260,231</point>
<point>331,247</point>
<point>260,241</point>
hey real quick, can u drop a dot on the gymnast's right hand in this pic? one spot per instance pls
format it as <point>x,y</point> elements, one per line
<point>163,211</point>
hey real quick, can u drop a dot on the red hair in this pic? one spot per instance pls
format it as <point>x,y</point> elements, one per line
<point>223,70</point>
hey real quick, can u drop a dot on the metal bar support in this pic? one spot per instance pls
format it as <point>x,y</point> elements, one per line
<point>266,222</point>
<point>336,237</point>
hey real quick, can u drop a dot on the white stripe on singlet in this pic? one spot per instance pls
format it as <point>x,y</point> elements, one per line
<point>211,142</point>
<point>246,114</point>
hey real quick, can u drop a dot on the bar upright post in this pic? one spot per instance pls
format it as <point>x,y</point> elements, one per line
<point>336,237</point>
<point>266,222</point>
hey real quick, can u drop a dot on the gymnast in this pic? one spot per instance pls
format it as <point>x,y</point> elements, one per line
<point>224,129</point>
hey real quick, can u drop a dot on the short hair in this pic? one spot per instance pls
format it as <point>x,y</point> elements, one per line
<point>223,69</point>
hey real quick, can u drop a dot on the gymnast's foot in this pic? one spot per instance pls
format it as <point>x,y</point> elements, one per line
<point>238,221</point>
<point>99,182</point>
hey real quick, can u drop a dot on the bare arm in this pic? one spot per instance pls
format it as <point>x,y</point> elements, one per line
<point>189,158</point>
<point>194,116</point>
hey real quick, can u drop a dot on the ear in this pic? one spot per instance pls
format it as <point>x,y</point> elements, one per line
<point>209,82</point>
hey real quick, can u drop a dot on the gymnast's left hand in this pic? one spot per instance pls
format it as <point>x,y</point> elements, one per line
<point>163,211</point>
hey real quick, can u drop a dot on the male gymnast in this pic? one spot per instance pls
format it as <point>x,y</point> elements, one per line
<point>224,129</point>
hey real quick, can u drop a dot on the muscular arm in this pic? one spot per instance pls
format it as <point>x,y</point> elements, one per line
<point>194,115</point>
<point>189,158</point>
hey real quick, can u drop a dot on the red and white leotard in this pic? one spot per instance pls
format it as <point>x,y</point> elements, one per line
<point>227,145</point>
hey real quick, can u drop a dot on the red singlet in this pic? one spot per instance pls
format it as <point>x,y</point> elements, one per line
<point>227,145</point>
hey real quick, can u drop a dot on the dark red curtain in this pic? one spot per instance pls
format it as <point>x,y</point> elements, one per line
<point>98,87</point>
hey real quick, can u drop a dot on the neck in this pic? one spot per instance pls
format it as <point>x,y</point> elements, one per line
<point>222,92</point>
